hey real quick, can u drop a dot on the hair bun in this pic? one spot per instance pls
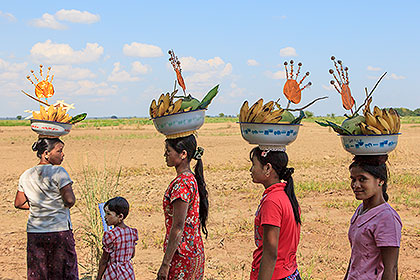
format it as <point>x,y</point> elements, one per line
<point>35,146</point>
<point>374,160</point>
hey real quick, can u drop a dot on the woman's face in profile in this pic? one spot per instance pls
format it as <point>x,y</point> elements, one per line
<point>56,155</point>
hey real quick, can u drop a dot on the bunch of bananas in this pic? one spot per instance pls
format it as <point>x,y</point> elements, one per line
<point>264,113</point>
<point>381,121</point>
<point>57,114</point>
<point>166,106</point>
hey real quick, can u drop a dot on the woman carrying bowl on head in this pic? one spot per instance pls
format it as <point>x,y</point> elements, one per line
<point>46,191</point>
<point>185,206</point>
<point>375,228</point>
<point>277,220</point>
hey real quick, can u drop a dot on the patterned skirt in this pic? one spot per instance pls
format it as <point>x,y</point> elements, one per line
<point>52,255</point>
<point>187,268</point>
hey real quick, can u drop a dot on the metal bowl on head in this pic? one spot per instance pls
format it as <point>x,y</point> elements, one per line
<point>50,128</point>
<point>269,136</point>
<point>179,123</point>
<point>369,144</point>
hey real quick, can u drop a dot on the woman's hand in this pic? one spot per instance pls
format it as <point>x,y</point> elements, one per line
<point>163,272</point>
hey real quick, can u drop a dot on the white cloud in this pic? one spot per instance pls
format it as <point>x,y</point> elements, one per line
<point>77,16</point>
<point>252,62</point>
<point>236,91</point>
<point>329,87</point>
<point>48,21</point>
<point>394,76</point>
<point>371,68</point>
<point>119,75</point>
<point>68,72</point>
<point>138,68</point>
<point>288,51</point>
<point>49,52</point>
<point>7,16</point>
<point>11,71</point>
<point>279,75</point>
<point>52,21</point>
<point>142,50</point>
<point>86,88</point>
<point>191,64</point>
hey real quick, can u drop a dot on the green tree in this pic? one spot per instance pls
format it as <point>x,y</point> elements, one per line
<point>309,114</point>
<point>19,117</point>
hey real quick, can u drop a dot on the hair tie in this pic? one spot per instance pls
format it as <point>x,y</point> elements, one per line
<point>198,153</point>
<point>288,173</point>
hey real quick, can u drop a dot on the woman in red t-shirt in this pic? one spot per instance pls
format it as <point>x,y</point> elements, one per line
<point>277,220</point>
<point>185,206</point>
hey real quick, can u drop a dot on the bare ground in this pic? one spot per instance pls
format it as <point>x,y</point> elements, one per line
<point>321,176</point>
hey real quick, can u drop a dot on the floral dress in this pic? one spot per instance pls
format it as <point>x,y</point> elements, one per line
<point>119,243</point>
<point>188,261</point>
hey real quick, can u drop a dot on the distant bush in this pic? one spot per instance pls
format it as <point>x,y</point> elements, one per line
<point>407,112</point>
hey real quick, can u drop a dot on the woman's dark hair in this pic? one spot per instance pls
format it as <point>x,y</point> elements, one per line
<point>119,205</point>
<point>189,144</point>
<point>375,166</point>
<point>278,161</point>
<point>45,144</point>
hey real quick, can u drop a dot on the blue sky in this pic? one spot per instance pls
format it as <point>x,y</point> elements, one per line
<point>110,58</point>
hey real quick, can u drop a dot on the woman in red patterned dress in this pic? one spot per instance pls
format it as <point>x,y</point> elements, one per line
<point>185,206</point>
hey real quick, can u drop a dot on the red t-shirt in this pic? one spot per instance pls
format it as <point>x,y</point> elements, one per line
<point>275,209</point>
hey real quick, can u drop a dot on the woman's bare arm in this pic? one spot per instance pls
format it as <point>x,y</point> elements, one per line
<point>21,201</point>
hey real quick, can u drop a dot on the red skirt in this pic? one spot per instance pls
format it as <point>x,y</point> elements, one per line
<point>187,268</point>
<point>52,255</point>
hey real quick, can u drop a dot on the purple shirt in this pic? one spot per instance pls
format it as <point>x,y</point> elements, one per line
<point>378,227</point>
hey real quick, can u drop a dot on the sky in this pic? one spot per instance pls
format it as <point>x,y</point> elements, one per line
<point>111,57</point>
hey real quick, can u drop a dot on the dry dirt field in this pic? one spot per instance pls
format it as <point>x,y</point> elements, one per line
<point>321,179</point>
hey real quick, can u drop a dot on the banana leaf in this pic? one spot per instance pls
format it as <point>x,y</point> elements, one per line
<point>337,128</point>
<point>298,119</point>
<point>208,98</point>
<point>78,118</point>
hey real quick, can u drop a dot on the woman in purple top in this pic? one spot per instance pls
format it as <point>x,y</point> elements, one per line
<point>375,228</point>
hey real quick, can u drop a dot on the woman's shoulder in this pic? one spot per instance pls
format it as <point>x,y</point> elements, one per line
<point>388,212</point>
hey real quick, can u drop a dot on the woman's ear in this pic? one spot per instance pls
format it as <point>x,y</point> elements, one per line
<point>268,168</point>
<point>184,154</point>
<point>45,154</point>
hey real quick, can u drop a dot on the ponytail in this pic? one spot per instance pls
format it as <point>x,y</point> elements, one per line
<point>204,202</point>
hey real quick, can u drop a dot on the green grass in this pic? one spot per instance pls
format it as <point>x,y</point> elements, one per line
<point>15,123</point>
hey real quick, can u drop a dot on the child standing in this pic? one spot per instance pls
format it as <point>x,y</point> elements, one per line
<point>118,243</point>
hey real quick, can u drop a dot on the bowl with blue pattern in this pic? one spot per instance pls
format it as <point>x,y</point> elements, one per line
<point>378,144</point>
<point>180,124</point>
<point>269,136</point>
